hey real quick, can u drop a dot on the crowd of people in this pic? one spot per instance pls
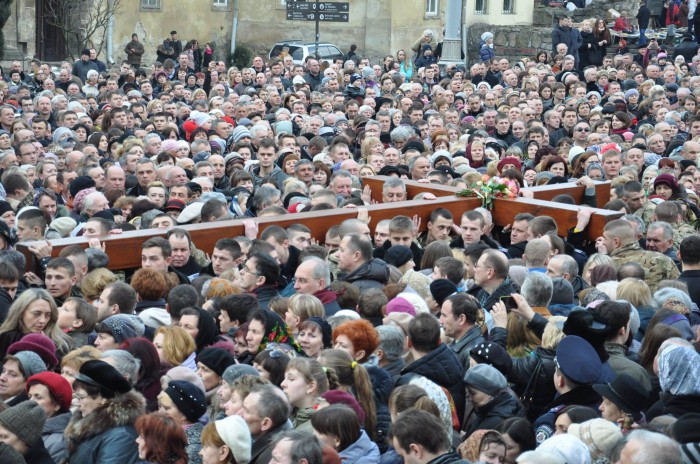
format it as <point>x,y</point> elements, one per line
<point>459,341</point>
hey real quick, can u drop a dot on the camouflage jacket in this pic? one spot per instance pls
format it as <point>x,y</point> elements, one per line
<point>681,231</point>
<point>657,266</point>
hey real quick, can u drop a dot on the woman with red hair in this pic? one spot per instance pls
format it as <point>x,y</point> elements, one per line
<point>357,338</point>
<point>161,440</point>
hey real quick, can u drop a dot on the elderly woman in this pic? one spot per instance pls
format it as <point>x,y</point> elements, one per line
<point>186,404</point>
<point>53,393</point>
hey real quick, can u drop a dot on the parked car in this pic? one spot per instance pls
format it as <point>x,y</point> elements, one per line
<point>299,50</point>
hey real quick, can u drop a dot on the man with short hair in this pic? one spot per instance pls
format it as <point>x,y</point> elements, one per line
<point>31,225</point>
<point>297,447</point>
<point>156,254</point>
<point>414,446</point>
<point>357,265</point>
<point>620,242</point>
<point>491,274</point>
<point>259,276</point>
<point>458,317</point>
<point>181,252</point>
<point>646,447</point>
<point>313,277</point>
<point>401,232</point>
<point>393,190</point>
<point>660,239</point>
<point>439,227</point>
<point>267,170</point>
<point>145,174</point>
<point>341,184</point>
<point>518,234</point>
<point>116,298</point>
<point>60,280</point>
<point>266,410</point>
<point>566,267</point>
<point>226,255</point>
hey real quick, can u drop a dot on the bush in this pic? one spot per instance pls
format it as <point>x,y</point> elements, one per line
<point>241,58</point>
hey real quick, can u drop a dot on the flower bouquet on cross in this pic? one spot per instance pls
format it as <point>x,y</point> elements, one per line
<point>489,188</point>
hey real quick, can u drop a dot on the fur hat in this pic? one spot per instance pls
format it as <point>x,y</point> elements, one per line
<point>26,420</point>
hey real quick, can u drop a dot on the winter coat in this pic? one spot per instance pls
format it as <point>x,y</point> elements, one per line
<point>442,367</point>
<point>193,433</point>
<point>562,35</point>
<point>541,388</point>
<point>468,341</point>
<point>106,435</point>
<point>382,384</point>
<point>580,396</point>
<point>589,53</point>
<point>133,51</point>
<point>503,406</point>
<point>265,294</point>
<point>486,53</point>
<point>373,274</point>
<point>277,177</point>
<point>52,434</point>
<point>262,447</point>
<point>301,419</point>
<point>330,301</point>
<point>363,451</point>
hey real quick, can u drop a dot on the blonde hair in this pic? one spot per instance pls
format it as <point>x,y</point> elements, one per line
<point>553,332</point>
<point>635,291</point>
<point>305,306</point>
<point>14,320</point>
<point>76,358</point>
<point>178,345</point>
<point>95,281</point>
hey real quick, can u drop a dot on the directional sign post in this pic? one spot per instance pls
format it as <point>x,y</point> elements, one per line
<point>337,12</point>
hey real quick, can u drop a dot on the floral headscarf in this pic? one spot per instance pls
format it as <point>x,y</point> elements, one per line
<point>276,332</point>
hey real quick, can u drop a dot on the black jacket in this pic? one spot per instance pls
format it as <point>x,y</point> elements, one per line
<point>442,367</point>
<point>534,373</point>
<point>373,274</point>
<point>692,278</point>
<point>643,16</point>
<point>415,249</point>
<point>382,384</point>
<point>580,396</point>
<point>502,407</point>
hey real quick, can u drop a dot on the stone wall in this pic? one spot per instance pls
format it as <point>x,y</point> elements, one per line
<point>515,42</point>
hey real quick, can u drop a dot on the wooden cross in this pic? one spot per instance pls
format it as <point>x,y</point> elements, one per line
<point>124,250</point>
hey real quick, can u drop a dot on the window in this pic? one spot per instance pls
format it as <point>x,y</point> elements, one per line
<point>508,6</point>
<point>480,7</point>
<point>220,3</point>
<point>150,4</point>
<point>432,7</point>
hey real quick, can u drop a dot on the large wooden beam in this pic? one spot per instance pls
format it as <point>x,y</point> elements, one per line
<point>125,250</point>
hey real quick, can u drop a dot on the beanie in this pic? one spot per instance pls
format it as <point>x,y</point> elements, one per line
<point>216,359</point>
<point>341,397</point>
<point>39,344</point>
<point>485,378</point>
<point>235,433</point>
<point>188,399</point>
<point>398,255</point>
<point>80,183</point>
<point>563,291</point>
<point>440,289</point>
<point>26,420</point>
<point>510,160</point>
<point>240,132</point>
<point>400,305</point>
<point>236,371</point>
<point>492,354</point>
<point>9,455</point>
<point>185,374</point>
<point>326,330</point>
<point>31,363</point>
<point>121,327</point>
<point>57,386</point>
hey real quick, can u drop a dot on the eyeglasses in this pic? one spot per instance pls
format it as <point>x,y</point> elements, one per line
<point>79,398</point>
<point>248,271</point>
<point>583,129</point>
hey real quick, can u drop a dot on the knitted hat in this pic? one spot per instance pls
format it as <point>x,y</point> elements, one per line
<point>492,354</point>
<point>199,118</point>
<point>326,330</point>
<point>485,378</point>
<point>80,183</point>
<point>398,255</point>
<point>216,359</point>
<point>121,327</point>
<point>237,371</point>
<point>26,420</point>
<point>400,305</point>
<point>667,179</point>
<point>155,317</point>
<point>486,36</point>
<point>510,160</point>
<point>39,344</point>
<point>239,133</point>
<point>235,433</point>
<point>283,127</point>
<point>440,289</point>
<point>599,435</point>
<point>416,299</point>
<point>56,384</point>
<point>99,374</point>
<point>31,363</point>
<point>188,399</point>
<point>63,225</point>
<point>341,397</point>
<point>562,291</point>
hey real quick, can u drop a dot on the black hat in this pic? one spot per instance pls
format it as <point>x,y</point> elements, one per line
<point>5,207</point>
<point>326,330</point>
<point>103,376</point>
<point>398,255</point>
<point>105,214</point>
<point>288,198</point>
<point>188,398</point>
<point>413,145</point>
<point>5,233</point>
<point>492,354</point>
<point>216,359</point>
<point>389,170</point>
<point>80,183</point>
<point>440,289</point>
<point>194,187</point>
<point>383,101</point>
<point>627,394</point>
<point>583,324</point>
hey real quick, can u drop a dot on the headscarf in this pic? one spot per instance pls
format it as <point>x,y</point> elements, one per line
<point>679,370</point>
<point>470,449</point>
<point>208,331</point>
<point>276,332</point>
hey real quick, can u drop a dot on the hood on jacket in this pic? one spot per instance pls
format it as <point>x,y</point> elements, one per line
<point>374,269</point>
<point>363,451</point>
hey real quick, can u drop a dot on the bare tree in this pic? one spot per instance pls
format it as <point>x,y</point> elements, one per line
<point>83,23</point>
